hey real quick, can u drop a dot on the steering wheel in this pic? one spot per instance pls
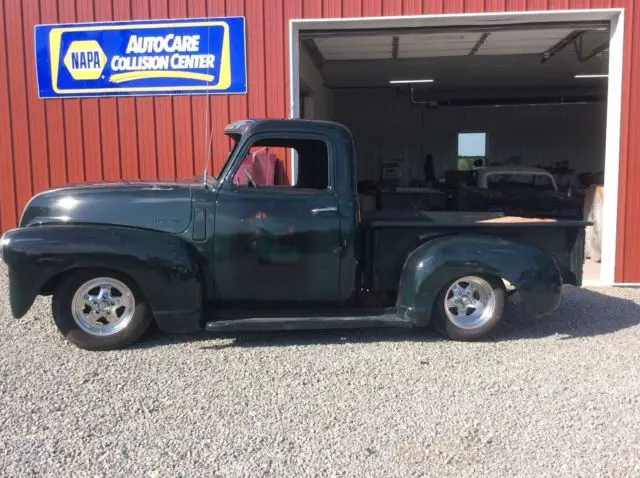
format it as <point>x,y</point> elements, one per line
<point>250,178</point>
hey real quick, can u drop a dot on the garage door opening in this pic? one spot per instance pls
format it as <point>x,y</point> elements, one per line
<point>507,118</point>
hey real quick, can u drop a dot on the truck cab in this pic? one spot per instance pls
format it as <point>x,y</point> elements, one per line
<point>277,238</point>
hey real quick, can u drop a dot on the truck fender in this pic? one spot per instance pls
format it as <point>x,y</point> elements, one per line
<point>432,265</point>
<point>162,265</point>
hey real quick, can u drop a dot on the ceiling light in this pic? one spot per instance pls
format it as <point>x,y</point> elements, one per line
<point>397,82</point>
<point>598,75</point>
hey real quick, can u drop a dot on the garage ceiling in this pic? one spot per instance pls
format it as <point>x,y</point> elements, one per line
<point>521,57</point>
<point>429,45</point>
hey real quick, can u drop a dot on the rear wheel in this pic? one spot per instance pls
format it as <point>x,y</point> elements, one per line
<point>470,307</point>
<point>100,310</point>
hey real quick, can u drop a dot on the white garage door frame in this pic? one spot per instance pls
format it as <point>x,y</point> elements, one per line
<point>615,16</point>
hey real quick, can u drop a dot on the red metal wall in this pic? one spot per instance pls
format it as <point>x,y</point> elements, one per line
<point>46,143</point>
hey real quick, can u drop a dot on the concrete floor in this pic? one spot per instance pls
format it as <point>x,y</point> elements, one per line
<point>590,271</point>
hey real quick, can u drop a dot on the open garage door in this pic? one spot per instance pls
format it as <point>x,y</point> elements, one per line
<point>509,118</point>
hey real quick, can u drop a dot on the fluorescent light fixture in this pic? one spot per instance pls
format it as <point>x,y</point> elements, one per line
<point>398,82</point>
<point>603,75</point>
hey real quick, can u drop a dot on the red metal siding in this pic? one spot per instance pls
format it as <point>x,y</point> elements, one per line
<point>45,143</point>
<point>411,7</point>
<point>627,250</point>
<point>181,105</point>
<point>109,132</point>
<point>7,188</point>
<point>18,102</point>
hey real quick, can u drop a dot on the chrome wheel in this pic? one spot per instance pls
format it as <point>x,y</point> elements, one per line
<point>103,306</point>
<point>470,302</point>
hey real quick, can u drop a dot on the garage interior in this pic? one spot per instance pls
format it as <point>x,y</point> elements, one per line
<point>425,104</point>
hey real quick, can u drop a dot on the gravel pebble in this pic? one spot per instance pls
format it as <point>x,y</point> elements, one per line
<point>558,396</point>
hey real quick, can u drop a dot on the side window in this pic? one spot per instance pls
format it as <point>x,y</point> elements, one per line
<point>543,182</point>
<point>472,150</point>
<point>263,166</point>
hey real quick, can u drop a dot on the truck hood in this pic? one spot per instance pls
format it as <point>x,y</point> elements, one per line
<point>160,206</point>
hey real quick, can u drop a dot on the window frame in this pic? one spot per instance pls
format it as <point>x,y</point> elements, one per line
<point>243,150</point>
<point>486,146</point>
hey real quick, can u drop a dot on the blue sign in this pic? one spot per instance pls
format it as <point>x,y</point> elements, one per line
<point>156,57</point>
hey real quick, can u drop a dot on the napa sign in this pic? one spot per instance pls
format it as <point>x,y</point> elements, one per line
<point>157,57</point>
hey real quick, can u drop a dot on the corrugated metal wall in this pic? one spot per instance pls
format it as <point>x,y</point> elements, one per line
<point>54,142</point>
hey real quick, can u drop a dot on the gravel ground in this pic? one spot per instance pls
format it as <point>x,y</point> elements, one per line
<point>554,397</point>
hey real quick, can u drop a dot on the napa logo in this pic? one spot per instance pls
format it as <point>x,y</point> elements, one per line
<point>85,60</point>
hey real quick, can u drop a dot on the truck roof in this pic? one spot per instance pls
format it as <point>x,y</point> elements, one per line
<point>271,124</point>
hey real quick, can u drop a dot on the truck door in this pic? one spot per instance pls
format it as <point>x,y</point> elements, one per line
<point>277,239</point>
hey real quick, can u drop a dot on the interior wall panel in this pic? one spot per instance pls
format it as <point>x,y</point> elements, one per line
<point>538,135</point>
<point>49,143</point>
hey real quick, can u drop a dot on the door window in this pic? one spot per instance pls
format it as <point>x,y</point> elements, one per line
<point>263,166</point>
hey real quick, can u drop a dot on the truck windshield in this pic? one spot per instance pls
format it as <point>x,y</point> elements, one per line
<point>235,139</point>
<point>520,181</point>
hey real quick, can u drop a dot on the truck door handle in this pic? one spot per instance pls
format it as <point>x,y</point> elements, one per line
<point>319,210</point>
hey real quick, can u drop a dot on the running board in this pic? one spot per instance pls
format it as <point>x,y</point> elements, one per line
<point>308,323</point>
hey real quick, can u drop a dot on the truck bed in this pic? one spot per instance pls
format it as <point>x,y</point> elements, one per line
<point>390,236</point>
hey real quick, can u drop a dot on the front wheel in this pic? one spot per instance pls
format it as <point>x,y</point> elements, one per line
<point>100,310</point>
<point>470,307</point>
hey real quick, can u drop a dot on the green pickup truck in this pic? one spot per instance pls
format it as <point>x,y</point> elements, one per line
<point>237,252</point>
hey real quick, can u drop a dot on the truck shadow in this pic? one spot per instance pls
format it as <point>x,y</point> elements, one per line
<point>583,313</point>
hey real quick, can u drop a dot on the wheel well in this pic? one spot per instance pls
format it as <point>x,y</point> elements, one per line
<point>52,284</point>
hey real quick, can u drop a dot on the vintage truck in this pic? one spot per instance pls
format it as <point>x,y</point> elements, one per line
<point>226,255</point>
<point>516,190</point>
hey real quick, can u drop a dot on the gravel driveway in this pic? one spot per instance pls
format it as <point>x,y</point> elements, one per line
<point>555,397</point>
